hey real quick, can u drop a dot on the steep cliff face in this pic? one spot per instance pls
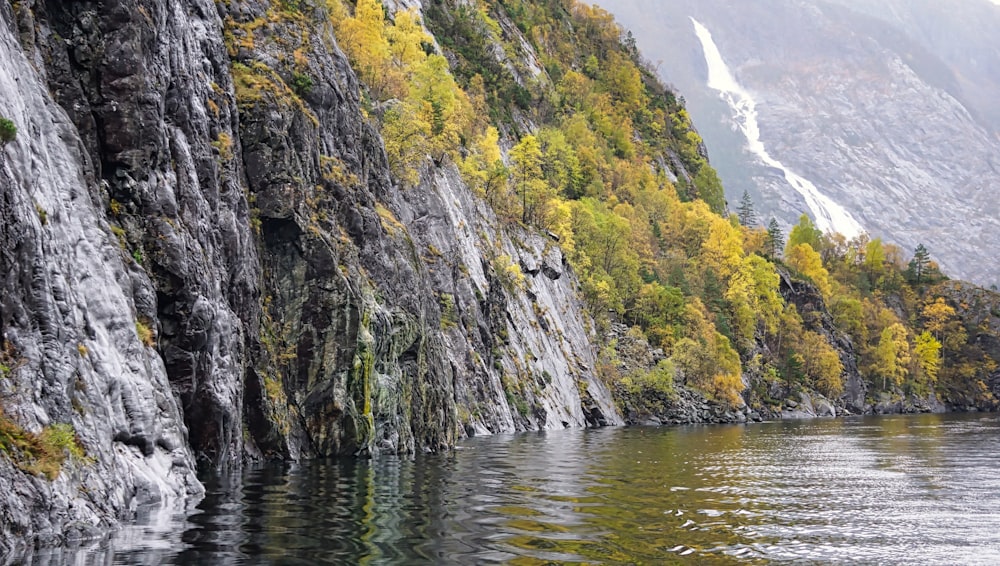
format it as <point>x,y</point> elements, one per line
<point>71,303</point>
<point>204,264</point>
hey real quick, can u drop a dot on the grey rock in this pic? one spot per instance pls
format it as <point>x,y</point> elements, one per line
<point>299,302</point>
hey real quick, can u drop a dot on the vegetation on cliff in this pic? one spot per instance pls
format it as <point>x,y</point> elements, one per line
<point>603,157</point>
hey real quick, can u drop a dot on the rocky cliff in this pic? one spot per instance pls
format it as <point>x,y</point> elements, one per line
<point>203,265</point>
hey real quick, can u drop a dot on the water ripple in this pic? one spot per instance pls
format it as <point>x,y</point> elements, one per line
<point>900,490</point>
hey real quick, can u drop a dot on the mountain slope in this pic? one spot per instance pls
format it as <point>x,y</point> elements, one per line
<point>873,102</point>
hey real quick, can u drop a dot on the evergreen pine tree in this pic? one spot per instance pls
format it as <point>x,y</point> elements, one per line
<point>775,239</point>
<point>918,265</point>
<point>745,212</point>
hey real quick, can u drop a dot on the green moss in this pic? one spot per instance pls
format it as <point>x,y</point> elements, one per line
<point>359,385</point>
<point>258,84</point>
<point>39,454</point>
<point>449,315</point>
<point>43,214</point>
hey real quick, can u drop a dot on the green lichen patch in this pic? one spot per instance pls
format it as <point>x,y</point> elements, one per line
<point>359,386</point>
<point>257,84</point>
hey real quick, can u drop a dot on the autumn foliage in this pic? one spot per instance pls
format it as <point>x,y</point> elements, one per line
<point>601,155</point>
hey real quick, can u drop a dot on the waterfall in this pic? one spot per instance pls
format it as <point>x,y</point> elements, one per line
<point>830,216</point>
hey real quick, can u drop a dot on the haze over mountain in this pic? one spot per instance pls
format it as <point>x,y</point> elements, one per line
<point>887,108</point>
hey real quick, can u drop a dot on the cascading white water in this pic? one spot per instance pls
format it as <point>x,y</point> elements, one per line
<point>830,216</point>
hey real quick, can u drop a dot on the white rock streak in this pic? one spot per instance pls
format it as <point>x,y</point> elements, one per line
<point>830,216</point>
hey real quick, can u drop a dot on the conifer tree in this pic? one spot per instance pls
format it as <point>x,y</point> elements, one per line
<point>775,239</point>
<point>745,212</point>
<point>918,265</point>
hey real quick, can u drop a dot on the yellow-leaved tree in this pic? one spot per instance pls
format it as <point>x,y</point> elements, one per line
<point>526,175</point>
<point>804,259</point>
<point>940,320</point>
<point>443,105</point>
<point>404,130</point>
<point>363,37</point>
<point>821,363</point>
<point>753,296</point>
<point>928,352</point>
<point>892,355</point>
<point>706,359</point>
<point>483,167</point>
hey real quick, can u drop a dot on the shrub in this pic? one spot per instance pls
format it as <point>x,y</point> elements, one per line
<point>40,454</point>
<point>658,380</point>
<point>145,333</point>
<point>8,131</point>
<point>508,273</point>
<point>301,83</point>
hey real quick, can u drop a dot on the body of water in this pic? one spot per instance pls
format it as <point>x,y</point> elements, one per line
<point>910,490</point>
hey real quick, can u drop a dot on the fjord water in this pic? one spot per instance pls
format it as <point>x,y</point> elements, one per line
<point>915,489</point>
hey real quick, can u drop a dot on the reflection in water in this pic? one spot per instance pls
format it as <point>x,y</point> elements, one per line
<point>914,490</point>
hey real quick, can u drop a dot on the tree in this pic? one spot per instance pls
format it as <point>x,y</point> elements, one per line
<point>560,167</point>
<point>8,131</point>
<point>745,212</point>
<point>406,38</point>
<point>710,188</point>
<point>821,363</point>
<point>918,265</point>
<point>848,315</point>
<point>874,262</point>
<point>526,157</point>
<point>602,237</point>
<point>928,351</point>
<point>775,239</point>
<point>805,232</point>
<point>941,321</point>
<point>658,309</point>
<point>804,259</point>
<point>363,37</point>
<point>483,166</point>
<point>722,250</point>
<point>937,314</point>
<point>753,296</point>
<point>442,105</point>
<point>405,133</point>
<point>892,355</point>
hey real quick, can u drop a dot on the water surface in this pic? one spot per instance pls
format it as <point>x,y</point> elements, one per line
<point>900,490</point>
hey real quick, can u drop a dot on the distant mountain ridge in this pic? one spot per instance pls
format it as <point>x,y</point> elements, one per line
<point>887,107</point>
